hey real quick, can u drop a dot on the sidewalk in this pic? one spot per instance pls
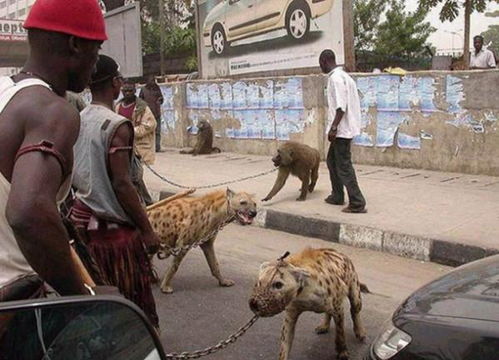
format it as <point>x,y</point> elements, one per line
<point>446,218</point>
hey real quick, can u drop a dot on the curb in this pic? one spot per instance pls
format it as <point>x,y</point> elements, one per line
<point>404,245</point>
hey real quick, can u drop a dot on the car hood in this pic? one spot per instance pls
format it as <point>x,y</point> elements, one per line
<point>216,14</point>
<point>470,291</point>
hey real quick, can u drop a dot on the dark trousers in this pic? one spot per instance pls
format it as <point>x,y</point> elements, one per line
<point>342,173</point>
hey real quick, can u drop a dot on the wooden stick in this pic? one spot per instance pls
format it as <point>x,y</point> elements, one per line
<point>170,199</point>
<point>87,279</point>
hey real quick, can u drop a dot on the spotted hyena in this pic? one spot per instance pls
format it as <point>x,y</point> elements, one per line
<point>315,280</point>
<point>182,220</point>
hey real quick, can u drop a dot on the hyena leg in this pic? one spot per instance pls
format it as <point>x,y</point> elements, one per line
<point>323,328</point>
<point>355,307</point>
<point>209,253</point>
<point>341,346</point>
<point>288,333</point>
<point>165,284</point>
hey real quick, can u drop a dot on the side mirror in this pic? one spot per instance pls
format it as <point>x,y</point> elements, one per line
<point>77,328</point>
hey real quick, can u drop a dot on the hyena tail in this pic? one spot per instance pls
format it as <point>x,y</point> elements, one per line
<point>364,289</point>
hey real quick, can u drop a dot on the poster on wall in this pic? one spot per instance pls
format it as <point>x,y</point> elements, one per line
<point>248,36</point>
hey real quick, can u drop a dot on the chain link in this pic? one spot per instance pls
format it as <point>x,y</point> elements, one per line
<point>164,251</point>
<point>208,186</point>
<point>213,349</point>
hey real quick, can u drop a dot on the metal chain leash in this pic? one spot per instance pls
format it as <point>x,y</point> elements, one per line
<point>213,349</point>
<point>164,251</point>
<point>208,186</point>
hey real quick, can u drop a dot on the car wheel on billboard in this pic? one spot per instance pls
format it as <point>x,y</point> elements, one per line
<point>218,40</point>
<point>298,20</point>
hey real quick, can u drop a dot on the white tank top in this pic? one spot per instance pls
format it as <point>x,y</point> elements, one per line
<point>12,262</point>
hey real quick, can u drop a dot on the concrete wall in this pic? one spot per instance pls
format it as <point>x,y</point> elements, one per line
<point>433,120</point>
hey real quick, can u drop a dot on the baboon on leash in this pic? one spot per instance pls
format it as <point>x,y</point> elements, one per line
<point>301,161</point>
<point>204,144</point>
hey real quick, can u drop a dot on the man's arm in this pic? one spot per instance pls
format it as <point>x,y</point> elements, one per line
<point>147,124</point>
<point>119,166</point>
<point>492,60</point>
<point>31,209</point>
<point>340,92</point>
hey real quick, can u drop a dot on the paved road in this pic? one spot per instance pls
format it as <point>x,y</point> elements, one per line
<point>200,313</point>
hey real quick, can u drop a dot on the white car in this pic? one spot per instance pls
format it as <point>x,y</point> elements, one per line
<point>233,20</point>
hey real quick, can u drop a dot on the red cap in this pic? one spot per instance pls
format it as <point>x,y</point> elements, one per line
<point>81,18</point>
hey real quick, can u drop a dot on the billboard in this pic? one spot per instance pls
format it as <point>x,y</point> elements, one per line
<point>12,30</point>
<point>248,36</point>
<point>124,42</point>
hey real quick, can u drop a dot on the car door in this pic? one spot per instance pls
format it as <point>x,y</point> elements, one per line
<point>269,13</point>
<point>241,18</point>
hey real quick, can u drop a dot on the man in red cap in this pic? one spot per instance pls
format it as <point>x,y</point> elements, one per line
<point>38,129</point>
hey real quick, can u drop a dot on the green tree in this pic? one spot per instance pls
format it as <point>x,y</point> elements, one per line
<point>450,11</point>
<point>492,35</point>
<point>367,14</point>
<point>403,33</point>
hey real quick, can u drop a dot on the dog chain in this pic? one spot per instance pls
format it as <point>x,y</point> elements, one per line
<point>164,252</point>
<point>208,186</point>
<point>213,349</point>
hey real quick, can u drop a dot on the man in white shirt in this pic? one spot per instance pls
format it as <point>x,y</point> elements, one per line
<point>481,58</point>
<point>345,119</point>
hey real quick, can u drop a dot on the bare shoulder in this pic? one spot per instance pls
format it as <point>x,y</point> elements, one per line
<point>44,105</point>
<point>123,134</point>
<point>48,116</point>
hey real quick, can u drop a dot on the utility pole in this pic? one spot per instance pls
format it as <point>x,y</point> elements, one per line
<point>162,37</point>
<point>348,36</point>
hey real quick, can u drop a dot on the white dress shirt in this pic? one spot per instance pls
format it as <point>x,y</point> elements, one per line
<point>483,60</point>
<point>342,94</point>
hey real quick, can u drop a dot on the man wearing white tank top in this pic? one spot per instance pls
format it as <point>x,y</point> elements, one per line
<point>38,129</point>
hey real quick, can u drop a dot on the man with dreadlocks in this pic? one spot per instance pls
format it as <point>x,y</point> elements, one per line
<point>107,210</point>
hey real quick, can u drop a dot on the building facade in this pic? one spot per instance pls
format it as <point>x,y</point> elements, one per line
<point>15,9</point>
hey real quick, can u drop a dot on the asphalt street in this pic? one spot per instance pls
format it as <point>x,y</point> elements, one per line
<point>200,314</point>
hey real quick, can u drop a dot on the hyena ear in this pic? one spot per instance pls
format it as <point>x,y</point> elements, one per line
<point>301,275</point>
<point>230,194</point>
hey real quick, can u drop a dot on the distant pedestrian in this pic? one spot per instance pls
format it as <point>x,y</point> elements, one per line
<point>151,94</point>
<point>144,123</point>
<point>107,210</point>
<point>345,119</point>
<point>481,58</point>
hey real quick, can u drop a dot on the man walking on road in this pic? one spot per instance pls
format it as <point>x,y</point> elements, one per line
<point>151,94</point>
<point>107,210</point>
<point>38,129</point>
<point>345,118</point>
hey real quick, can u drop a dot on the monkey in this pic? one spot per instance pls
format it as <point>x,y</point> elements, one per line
<point>301,161</point>
<point>204,144</point>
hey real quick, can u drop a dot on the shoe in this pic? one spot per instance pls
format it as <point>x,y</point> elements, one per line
<point>332,201</point>
<point>350,210</point>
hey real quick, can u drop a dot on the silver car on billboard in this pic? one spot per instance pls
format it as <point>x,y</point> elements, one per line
<point>233,20</point>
